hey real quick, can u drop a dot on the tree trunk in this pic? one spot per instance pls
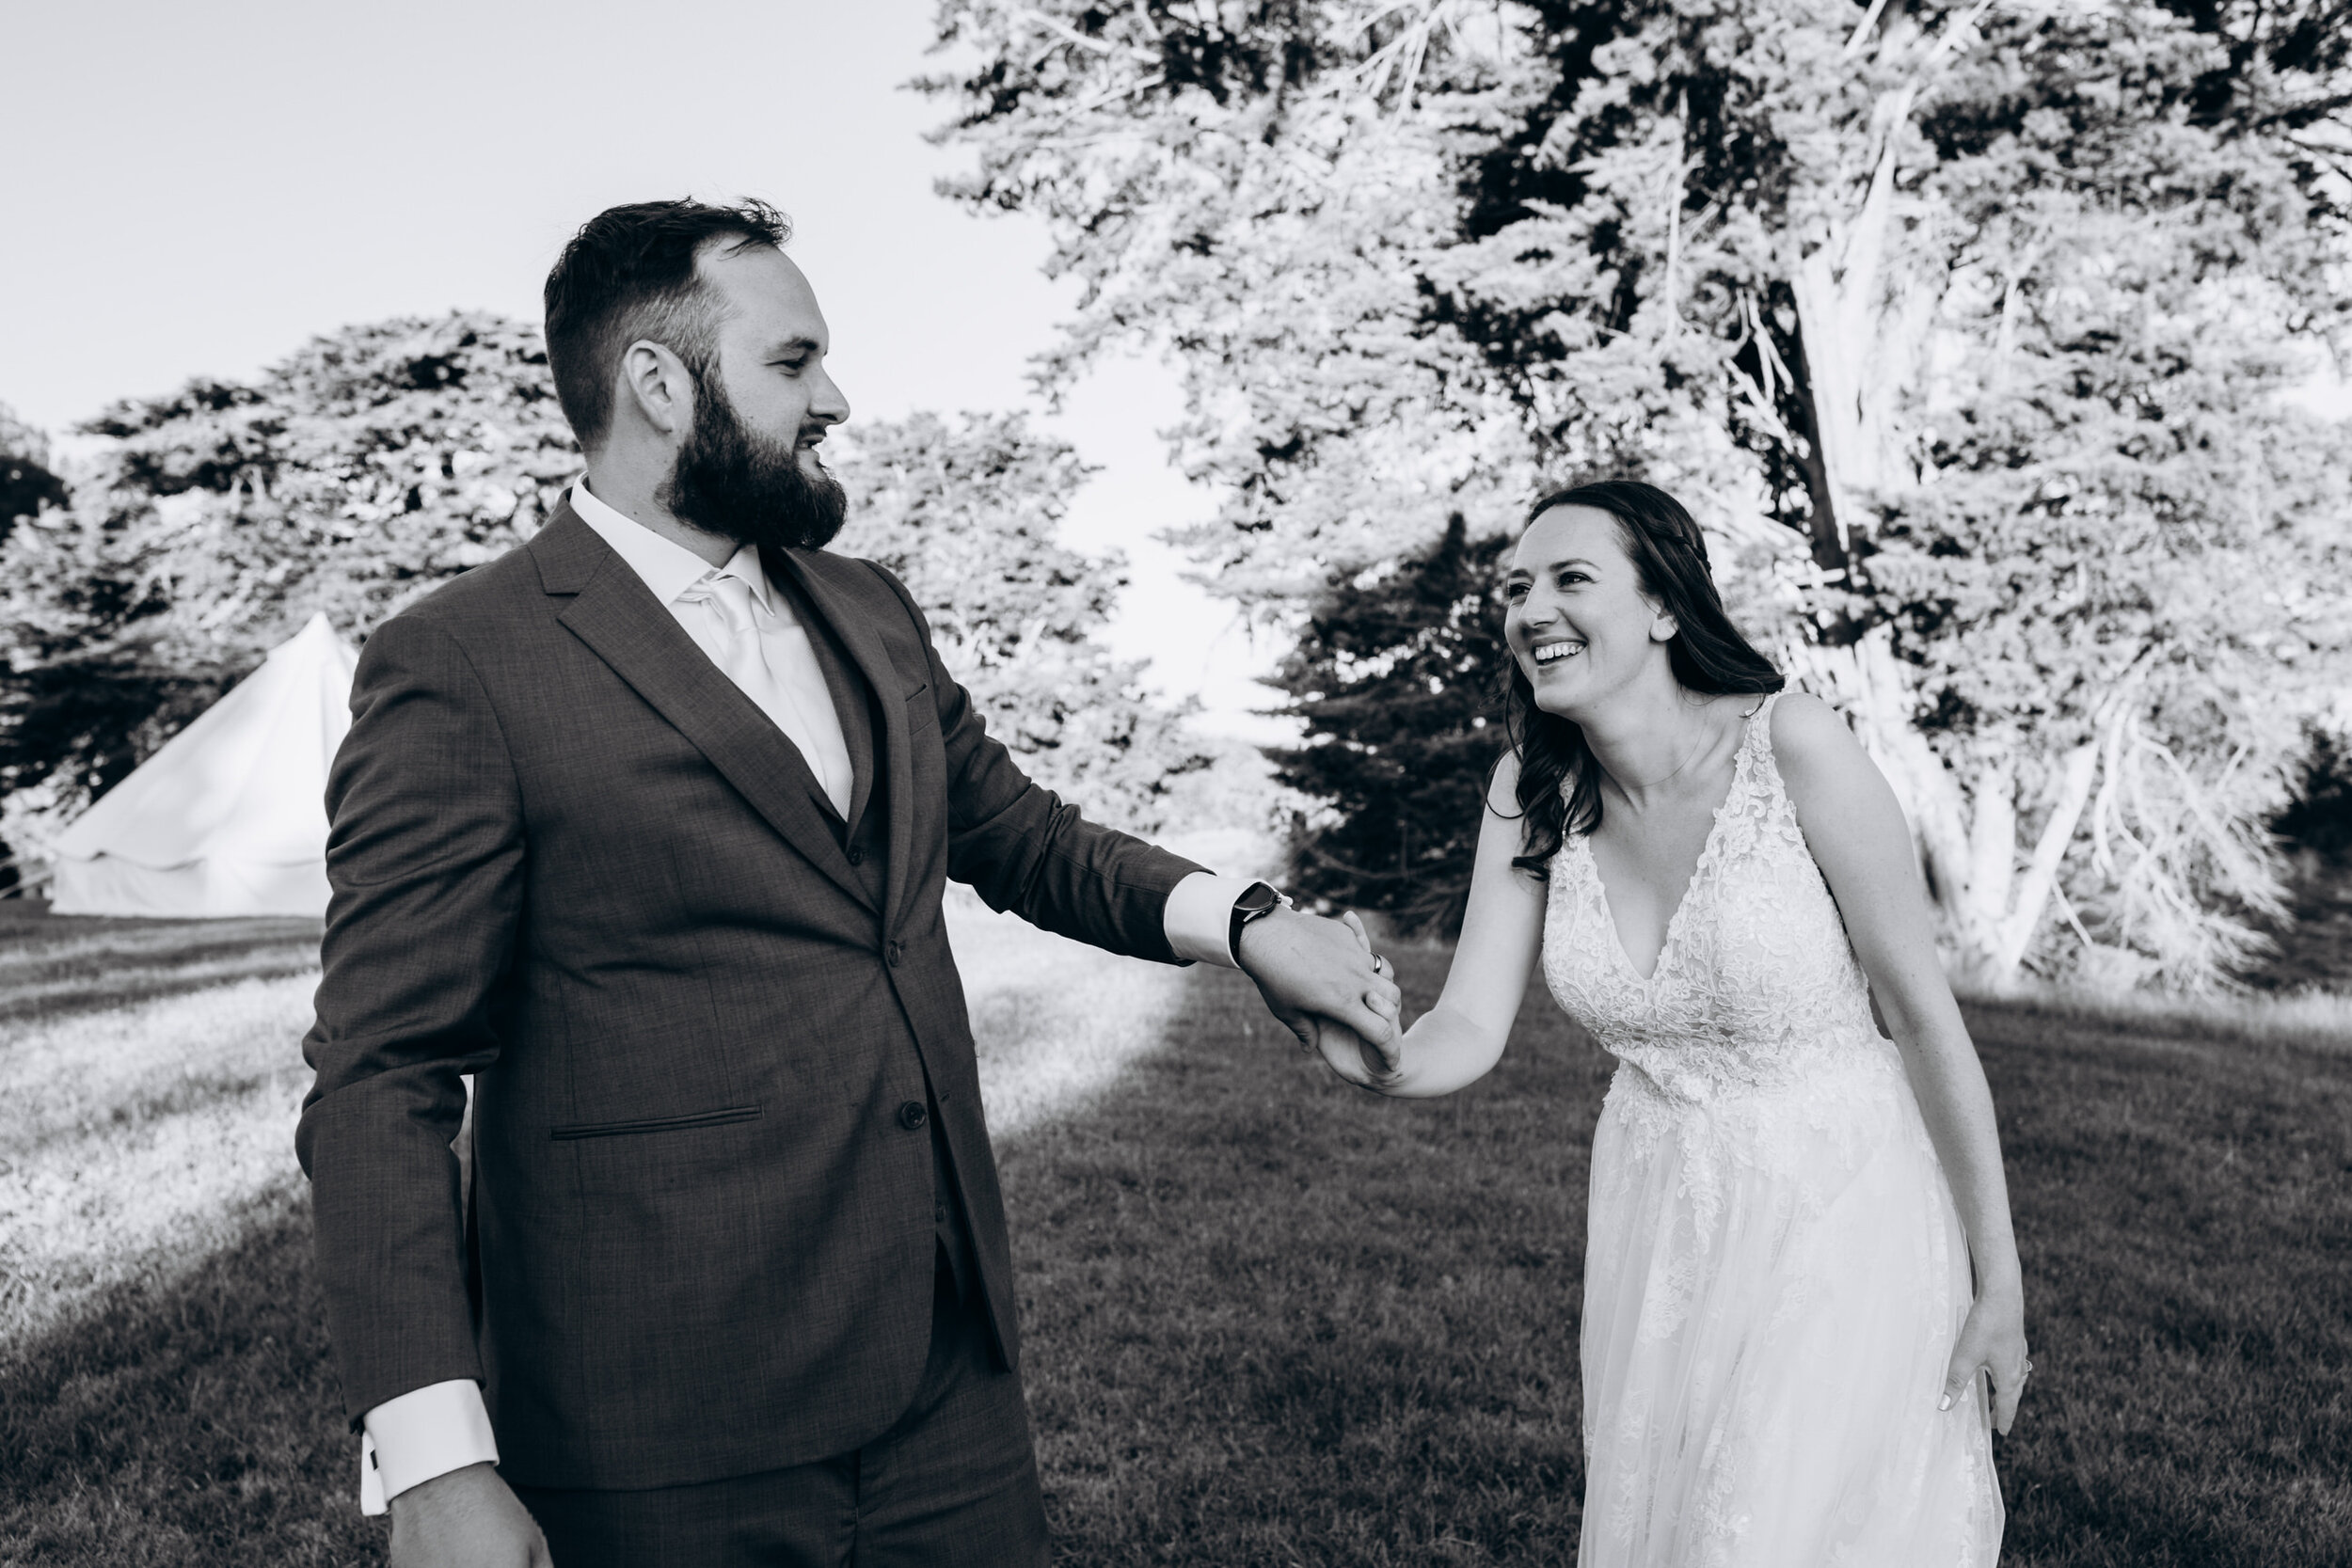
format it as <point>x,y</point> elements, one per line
<point>1965,829</point>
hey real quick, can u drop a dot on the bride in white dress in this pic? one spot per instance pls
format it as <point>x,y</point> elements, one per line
<point>1788,1359</point>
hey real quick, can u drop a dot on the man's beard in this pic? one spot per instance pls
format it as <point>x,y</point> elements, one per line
<point>747,487</point>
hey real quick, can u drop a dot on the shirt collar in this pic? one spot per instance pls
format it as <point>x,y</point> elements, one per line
<point>665,567</point>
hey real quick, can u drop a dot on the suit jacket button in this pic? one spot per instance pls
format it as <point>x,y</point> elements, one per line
<point>912,1115</point>
<point>894,953</point>
<point>857,856</point>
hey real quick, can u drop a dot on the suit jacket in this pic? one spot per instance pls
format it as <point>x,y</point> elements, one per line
<point>570,857</point>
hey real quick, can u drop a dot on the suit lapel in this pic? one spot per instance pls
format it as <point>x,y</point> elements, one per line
<point>619,619</point>
<point>856,633</point>
<point>852,701</point>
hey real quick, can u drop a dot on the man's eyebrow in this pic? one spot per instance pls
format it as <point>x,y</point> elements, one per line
<point>795,345</point>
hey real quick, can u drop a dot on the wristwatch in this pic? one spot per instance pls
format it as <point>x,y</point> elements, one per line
<point>1257,901</point>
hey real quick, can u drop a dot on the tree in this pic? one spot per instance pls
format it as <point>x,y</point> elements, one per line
<point>1968,331</point>
<point>1396,676</point>
<point>381,460</point>
<point>968,516</point>
<point>29,477</point>
<point>371,465</point>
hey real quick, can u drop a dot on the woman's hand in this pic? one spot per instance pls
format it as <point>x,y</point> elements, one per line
<point>1992,1341</point>
<point>1363,1062</point>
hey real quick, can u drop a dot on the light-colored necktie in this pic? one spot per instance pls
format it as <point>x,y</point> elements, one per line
<point>741,652</point>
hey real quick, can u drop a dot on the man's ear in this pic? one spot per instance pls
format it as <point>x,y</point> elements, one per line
<point>654,380</point>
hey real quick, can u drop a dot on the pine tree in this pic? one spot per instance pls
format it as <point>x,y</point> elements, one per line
<point>1395,677</point>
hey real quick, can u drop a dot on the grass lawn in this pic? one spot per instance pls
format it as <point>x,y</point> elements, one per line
<point>1271,1321</point>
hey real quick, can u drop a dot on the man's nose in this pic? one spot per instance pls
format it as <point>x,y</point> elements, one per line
<point>827,404</point>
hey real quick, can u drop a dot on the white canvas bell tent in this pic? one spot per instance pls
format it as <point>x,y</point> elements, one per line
<point>230,816</point>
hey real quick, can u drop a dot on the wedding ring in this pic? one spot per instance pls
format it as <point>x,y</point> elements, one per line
<point>1381,967</point>
<point>2028,1371</point>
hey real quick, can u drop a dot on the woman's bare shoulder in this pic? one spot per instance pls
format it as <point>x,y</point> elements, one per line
<point>1817,756</point>
<point>1502,787</point>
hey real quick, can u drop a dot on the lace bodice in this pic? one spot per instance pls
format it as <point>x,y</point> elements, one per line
<point>1755,989</point>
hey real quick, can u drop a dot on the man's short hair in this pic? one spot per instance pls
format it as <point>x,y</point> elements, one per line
<point>628,275</point>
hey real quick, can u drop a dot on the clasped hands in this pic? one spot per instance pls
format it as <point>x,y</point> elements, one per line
<point>1321,978</point>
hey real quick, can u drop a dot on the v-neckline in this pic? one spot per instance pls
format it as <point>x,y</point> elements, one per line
<point>1698,866</point>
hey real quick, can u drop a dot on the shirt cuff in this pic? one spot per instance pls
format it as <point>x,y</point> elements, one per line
<point>1199,916</point>
<point>426,1433</point>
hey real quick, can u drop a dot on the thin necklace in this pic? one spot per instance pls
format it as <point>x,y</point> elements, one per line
<point>1696,747</point>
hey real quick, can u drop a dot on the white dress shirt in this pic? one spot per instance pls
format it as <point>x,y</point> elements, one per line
<point>444,1426</point>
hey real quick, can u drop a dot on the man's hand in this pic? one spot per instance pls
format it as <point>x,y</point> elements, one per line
<point>1316,973</point>
<point>467,1518</point>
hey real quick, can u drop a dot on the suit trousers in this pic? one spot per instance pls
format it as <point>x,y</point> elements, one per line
<point>954,1484</point>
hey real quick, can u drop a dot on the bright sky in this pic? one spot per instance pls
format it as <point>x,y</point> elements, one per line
<point>197,189</point>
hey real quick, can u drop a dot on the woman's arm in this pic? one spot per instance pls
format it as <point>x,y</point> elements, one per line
<point>1459,1039</point>
<point>1859,839</point>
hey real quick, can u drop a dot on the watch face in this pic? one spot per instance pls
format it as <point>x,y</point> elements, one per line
<point>1258,898</point>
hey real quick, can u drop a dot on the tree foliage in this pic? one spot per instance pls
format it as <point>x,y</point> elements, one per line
<point>1970,331</point>
<point>381,460</point>
<point>356,475</point>
<point>28,478</point>
<point>969,514</point>
<point>1395,676</point>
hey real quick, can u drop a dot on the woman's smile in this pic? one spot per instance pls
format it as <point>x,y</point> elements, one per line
<point>1549,652</point>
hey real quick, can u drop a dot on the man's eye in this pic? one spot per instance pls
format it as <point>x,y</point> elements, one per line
<point>793,366</point>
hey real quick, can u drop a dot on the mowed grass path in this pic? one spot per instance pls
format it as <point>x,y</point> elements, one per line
<point>1271,1321</point>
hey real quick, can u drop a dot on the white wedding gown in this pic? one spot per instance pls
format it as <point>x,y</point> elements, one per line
<point>1774,1271</point>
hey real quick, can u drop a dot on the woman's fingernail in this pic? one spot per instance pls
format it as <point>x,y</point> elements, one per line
<point>1947,1405</point>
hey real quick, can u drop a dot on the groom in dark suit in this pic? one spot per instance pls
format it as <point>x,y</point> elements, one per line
<point>646,826</point>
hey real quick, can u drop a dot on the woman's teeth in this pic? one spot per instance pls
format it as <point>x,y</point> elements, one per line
<point>1552,653</point>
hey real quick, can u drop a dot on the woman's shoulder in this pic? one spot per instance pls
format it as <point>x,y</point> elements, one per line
<point>1811,742</point>
<point>1502,785</point>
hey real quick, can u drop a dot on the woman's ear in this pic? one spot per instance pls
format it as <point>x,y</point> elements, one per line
<point>1663,628</point>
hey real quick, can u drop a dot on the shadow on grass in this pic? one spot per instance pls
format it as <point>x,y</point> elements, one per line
<point>53,965</point>
<point>1270,1321</point>
<point>190,1424</point>
<point>1273,1321</point>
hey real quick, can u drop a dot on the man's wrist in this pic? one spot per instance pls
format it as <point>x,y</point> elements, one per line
<point>1257,902</point>
<point>424,1434</point>
<point>425,1493</point>
<point>1198,918</point>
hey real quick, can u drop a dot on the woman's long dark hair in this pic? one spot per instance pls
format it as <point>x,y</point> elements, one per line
<point>1559,780</point>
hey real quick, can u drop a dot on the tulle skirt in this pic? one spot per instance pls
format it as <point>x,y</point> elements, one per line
<point>1774,1280</point>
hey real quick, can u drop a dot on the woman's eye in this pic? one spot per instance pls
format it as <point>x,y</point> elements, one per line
<point>1514,593</point>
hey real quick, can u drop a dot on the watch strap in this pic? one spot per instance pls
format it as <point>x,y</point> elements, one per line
<point>1257,901</point>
